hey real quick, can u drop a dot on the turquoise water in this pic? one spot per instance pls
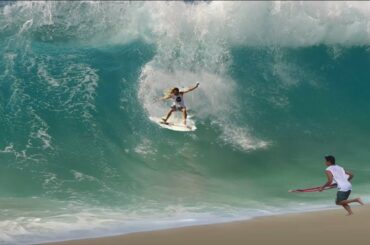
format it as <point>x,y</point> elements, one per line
<point>281,85</point>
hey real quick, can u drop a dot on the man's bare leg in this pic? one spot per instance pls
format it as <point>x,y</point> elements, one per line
<point>345,205</point>
<point>358,200</point>
<point>348,208</point>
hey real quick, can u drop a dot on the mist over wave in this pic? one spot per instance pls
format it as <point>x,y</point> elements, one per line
<point>281,85</point>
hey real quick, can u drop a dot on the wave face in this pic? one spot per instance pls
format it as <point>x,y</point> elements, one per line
<point>282,85</point>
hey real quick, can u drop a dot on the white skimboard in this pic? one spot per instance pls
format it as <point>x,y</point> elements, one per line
<point>175,125</point>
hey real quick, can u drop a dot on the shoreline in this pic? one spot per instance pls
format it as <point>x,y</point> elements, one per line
<point>330,226</point>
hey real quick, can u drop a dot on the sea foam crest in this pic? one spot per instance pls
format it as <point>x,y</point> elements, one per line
<point>235,23</point>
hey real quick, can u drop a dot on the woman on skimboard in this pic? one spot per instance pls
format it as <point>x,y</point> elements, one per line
<point>178,102</point>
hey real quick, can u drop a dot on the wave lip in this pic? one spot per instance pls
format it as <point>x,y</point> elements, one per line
<point>210,24</point>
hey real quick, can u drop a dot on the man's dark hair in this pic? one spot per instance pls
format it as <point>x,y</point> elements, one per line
<point>330,159</point>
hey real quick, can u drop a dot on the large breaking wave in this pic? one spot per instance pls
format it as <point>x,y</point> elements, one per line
<point>282,84</point>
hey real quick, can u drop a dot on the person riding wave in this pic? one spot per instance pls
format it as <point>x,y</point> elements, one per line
<point>178,102</point>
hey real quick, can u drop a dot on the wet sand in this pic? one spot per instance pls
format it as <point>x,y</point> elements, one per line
<point>322,227</point>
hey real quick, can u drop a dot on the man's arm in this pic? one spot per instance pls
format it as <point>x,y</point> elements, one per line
<point>330,180</point>
<point>190,89</point>
<point>350,174</point>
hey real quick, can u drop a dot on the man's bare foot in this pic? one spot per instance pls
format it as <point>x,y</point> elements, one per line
<point>360,201</point>
<point>349,214</point>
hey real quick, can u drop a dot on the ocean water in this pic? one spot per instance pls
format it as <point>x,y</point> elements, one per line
<point>281,85</point>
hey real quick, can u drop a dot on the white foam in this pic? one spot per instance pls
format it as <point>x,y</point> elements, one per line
<point>44,75</point>
<point>83,177</point>
<point>189,52</point>
<point>302,23</point>
<point>145,147</point>
<point>208,99</point>
<point>241,139</point>
<point>245,23</point>
<point>212,99</point>
<point>39,133</point>
<point>8,149</point>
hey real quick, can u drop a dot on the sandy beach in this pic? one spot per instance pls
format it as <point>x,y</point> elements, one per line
<point>331,227</point>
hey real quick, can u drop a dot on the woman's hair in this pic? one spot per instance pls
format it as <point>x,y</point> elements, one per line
<point>171,91</point>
